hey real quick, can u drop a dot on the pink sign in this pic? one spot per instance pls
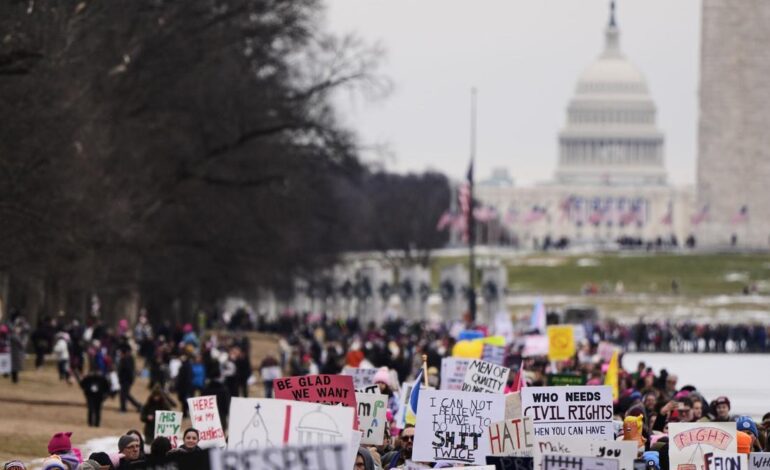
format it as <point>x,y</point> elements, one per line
<point>323,388</point>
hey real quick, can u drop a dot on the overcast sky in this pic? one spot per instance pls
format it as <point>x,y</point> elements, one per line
<point>524,56</point>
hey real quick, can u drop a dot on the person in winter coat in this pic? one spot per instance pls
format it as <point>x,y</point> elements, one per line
<point>126,375</point>
<point>190,440</point>
<point>96,387</point>
<point>184,383</point>
<point>129,446</point>
<point>61,349</point>
<point>364,460</point>
<point>17,353</point>
<point>157,401</point>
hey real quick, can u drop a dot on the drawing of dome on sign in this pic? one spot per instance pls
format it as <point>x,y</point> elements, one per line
<point>318,427</point>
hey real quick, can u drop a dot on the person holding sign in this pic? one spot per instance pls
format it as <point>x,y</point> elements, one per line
<point>155,402</point>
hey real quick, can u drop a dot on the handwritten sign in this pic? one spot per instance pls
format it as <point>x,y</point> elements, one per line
<point>169,424</point>
<point>310,456</point>
<point>569,411</point>
<point>362,377</point>
<point>726,461</point>
<point>325,388</point>
<point>561,342</point>
<point>510,463</point>
<point>759,461</point>
<point>452,426</point>
<point>690,442</point>
<point>483,376</point>
<point>564,462</point>
<point>262,422</point>
<point>371,415</point>
<point>204,416</point>
<point>622,451</point>
<point>453,372</point>
<point>514,437</point>
<point>5,363</point>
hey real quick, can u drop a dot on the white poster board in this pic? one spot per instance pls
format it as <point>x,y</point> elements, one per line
<point>565,462</point>
<point>371,417</point>
<point>169,424</point>
<point>759,461</point>
<point>362,377</point>
<point>483,376</point>
<point>204,416</point>
<point>688,443</point>
<point>511,437</point>
<point>310,457</point>
<point>453,372</point>
<point>726,461</point>
<point>452,426</point>
<point>622,451</point>
<point>535,345</point>
<point>580,411</point>
<point>5,363</point>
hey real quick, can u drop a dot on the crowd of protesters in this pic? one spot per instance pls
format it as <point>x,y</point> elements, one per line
<point>180,362</point>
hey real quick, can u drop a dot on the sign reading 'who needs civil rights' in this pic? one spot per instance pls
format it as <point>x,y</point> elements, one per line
<point>569,411</point>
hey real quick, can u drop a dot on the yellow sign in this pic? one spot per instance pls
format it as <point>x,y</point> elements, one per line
<point>561,342</point>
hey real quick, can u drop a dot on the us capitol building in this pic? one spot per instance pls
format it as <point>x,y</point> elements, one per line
<point>610,179</point>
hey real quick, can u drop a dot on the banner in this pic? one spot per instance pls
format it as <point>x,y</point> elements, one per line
<point>204,416</point>
<point>306,457</point>
<point>362,377</point>
<point>561,342</point>
<point>562,462</point>
<point>535,345</point>
<point>569,411</point>
<point>5,363</point>
<point>451,425</point>
<point>483,376</point>
<point>169,424</point>
<point>263,422</point>
<point>453,372</point>
<point>371,417</point>
<point>726,461</point>
<point>759,461</point>
<point>623,451</point>
<point>565,379</point>
<point>511,437</point>
<point>688,443</point>
<point>510,463</point>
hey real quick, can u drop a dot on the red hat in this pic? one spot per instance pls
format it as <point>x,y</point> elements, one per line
<point>60,442</point>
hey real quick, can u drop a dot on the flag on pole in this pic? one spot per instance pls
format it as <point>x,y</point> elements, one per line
<point>414,397</point>
<point>668,219</point>
<point>611,378</point>
<point>701,216</point>
<point>535,215</point>
<point>742,216</point>
<point>518,381</point>
<point>446,220</point>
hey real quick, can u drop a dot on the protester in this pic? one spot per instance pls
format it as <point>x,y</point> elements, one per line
<point>103,459</point>
<point>54,462</point>
<point>129,446</point>
<point>14,465</point>
<point>95,387</point>
<point>721,407</point>
<point>61,349</point>
<point>157,401</point>
<point>190,440</point>
<point>126,377</point>
<point>364,460</point>
<point>402,451</point>
<point>159,448</point>
<point>138,435</point>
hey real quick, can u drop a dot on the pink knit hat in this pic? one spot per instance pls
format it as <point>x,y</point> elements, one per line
<point>60,442</point>
<point>382,376</point>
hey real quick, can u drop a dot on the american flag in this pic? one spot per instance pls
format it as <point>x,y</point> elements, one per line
<point>742,216</point>
<point>565,207</point>
<point>511,216</point>
<point>446,220</point>
<point>668,219</point>
<point>701,216</point>
<point>597,216</point>
<point>535,215</point>
<point>485,213</point>
<point>631,216</point>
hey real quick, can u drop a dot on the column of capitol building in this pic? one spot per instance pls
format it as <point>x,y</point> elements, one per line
<point>610,161</point>
<point>734,126</point>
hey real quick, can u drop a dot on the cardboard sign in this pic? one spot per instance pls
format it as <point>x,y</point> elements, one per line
<point>511,437</point>
<point>561,342</point>
<point>510,463</point>
<point>169,424</point>
<point>622,451</point>
<point>263,422</point>
<point>310,456</point>
<point>371,417</point>
<point>5,363</point>
<point>759,461</point>
<point>483,376</point>
<point>362,377</point>
<point>325,388</point>
<point>513,405</point>
<point>556,380</point>
<point>204,416</point>
<point>493,354</point>
<point>535,345</point>
<point>452,426</point>
<point>564,462</point>
<point>726,461</point>
<point>688,443</point>
<point>569,411</point>
<point>453,372</point>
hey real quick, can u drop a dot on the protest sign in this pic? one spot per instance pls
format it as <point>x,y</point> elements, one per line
<point>451,425</point>
<point>310,456</point>
<point>622,451</point>
<point>483,376</point>
<point>605,350</point>
<point>514,437</point>
<point>759,461</point>
<point>513,405</point>
<point>371,417</point>
<point>409,465</point>
<point>169,424</point>
<point>325,388</point>
<point>204,416</point>
<point>510,463</point>
<point>453,372</point>
<point>535,345</point>
<point>369,389</point>
<point>480,467</point>
<point>688,443</point>
<point>561,342</point>
<point>362,376</point>
<point>5,363</point>
<point>493,354</point>
<point>565,379</point>
<point>563,462</point>
<point>580,411</point>
<point>726,461</point>
<point>263,422</point>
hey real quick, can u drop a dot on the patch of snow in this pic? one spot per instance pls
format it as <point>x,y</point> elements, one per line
<point>587,262</point>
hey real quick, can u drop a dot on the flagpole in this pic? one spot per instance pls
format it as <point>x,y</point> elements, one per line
<point>471,221</point>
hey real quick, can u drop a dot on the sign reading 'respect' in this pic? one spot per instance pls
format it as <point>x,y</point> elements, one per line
<point>569,411</point>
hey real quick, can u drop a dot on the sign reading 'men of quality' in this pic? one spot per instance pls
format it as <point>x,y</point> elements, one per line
<point>569,411</point>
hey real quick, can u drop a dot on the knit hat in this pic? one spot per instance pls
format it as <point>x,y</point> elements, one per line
<point>14,465</point>
<point>101,458</point>
<point>722,401</point>
<point>125,441</point>
<point>382,376</point>
<point>652,459</point>
<point>53,462</point>
<point>744,442</point>
<point>60,442</point>
<point>89,465</point>
<point>744,423</point>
